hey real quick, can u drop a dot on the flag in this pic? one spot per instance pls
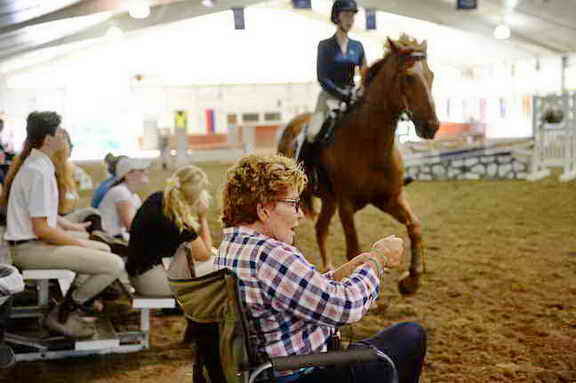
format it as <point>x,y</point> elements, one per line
<point>238,18</point>
<point>210,121</point>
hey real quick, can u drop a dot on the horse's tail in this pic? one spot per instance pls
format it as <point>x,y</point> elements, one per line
<point>307,203</point>
<point>286,147</point>
<point>287,139</point>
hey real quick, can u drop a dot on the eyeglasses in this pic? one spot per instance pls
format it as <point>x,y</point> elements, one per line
<point>293,202</point>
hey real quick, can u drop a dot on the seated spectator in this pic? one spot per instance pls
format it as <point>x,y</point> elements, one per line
<point>121,202</point>
<point>34,231</point>
<point>166,220</point>
<point>10,283</point>
<point>294,308</point>
<point>86,222</point>
<point>111,161</point>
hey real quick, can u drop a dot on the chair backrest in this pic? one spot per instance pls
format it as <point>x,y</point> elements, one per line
<point>214,298</point>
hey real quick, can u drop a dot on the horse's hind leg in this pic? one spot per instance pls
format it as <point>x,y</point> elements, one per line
<point>401,211</point>
<point>322,230</point>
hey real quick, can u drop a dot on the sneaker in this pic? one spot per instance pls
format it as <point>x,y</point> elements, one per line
<point>7,357</point>
<point>74,326</point>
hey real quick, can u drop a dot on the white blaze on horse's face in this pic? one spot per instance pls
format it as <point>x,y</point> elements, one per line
<point>419,93</point>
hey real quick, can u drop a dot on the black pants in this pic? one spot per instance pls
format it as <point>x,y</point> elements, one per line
<point>404,343</point>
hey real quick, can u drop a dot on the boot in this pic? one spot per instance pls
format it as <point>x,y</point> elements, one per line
<point>67,306</point>
<point>73,326</point>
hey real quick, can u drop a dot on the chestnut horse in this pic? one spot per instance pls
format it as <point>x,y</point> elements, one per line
<point>362,164</point>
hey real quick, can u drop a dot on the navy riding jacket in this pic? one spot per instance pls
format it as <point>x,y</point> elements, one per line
<point>335,69</point>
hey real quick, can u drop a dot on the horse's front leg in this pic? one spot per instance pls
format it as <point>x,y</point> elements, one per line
<point>346,210</point>
<point>400,209</point>
<point>322,230</point>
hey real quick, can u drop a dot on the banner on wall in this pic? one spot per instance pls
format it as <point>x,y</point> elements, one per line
<point>370,19</point>
<point>238,18</point>
<point>181,119</point>
<point>301,4</point>
<point>466,4</point>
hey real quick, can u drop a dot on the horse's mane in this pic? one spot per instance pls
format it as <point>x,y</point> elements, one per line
<point>371,72</point>
<point>405,43</point>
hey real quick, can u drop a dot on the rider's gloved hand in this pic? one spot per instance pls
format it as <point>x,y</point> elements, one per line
<point>346,95</point>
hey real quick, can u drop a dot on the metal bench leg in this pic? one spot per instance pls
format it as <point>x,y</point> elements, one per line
<point>43,292</point>
<point>145,326</point>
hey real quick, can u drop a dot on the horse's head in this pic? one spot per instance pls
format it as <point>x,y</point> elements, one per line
<point>407,78</point>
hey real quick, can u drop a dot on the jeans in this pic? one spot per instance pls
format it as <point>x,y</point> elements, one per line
<point>405,343</point>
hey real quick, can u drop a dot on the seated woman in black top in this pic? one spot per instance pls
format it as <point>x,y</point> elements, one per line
<point>165,221</point>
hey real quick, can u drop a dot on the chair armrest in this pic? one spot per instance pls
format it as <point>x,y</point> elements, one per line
<point>332,358</point>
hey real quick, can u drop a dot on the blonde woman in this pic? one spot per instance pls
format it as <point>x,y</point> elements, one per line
<point>82,219</point>
<point>166,220</point>
<point>81,222</point>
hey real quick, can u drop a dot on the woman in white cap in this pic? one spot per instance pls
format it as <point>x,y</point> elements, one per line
<point>121,202</point>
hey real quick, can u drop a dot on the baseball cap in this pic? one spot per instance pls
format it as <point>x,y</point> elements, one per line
<point>125,165</point>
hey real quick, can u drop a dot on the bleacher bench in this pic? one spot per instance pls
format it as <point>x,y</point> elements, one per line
<point>106,340</point>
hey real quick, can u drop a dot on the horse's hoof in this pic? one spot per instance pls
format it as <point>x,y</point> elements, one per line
<point>409,284</point>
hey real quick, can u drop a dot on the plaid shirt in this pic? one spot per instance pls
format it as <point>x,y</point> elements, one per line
<point>293,307</point>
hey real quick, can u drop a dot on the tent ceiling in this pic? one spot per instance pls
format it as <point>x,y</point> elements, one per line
<point>539,27</point>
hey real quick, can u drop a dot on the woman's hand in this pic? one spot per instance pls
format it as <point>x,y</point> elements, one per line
<point>388,251</point>
<point>202,205</point>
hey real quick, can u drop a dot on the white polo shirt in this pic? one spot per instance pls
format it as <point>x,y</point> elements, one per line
<point>111,222</point>
<point>34,193</point>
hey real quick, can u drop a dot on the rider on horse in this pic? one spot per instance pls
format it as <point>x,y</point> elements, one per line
<point>338,58</point>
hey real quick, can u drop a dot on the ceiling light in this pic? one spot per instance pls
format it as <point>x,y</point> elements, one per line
<point>208,3</point>
<point>502,32</point>
<point>139,9</point>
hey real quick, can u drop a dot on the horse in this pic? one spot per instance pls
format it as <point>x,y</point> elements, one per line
<point>362,164</point>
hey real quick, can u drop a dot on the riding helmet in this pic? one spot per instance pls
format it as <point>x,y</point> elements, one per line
<point>341,6</point>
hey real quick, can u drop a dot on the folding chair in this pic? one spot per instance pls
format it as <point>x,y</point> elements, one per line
<point>214,298</point>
